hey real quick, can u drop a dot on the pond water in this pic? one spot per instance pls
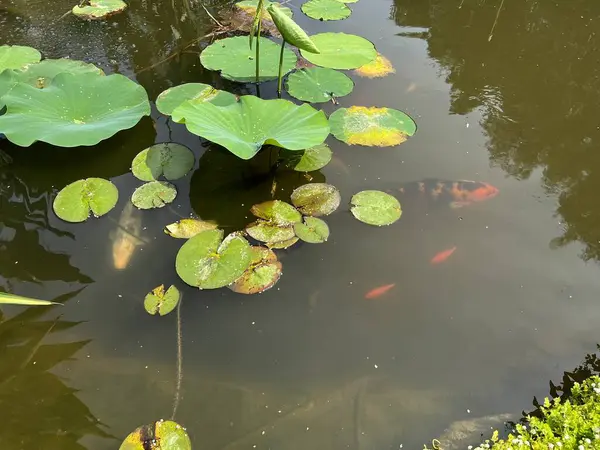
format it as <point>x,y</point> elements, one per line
<point>506,96</point>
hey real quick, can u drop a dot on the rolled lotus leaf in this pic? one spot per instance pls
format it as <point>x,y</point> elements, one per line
<point>291,31</point>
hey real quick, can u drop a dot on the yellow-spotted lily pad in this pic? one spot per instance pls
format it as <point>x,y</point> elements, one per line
<point>159,435</point>
<point>155,194</point>
<point>75,202</point>
<point>263,273</point>
<point>381,67</point>
<point>269,232</point>
<point>187,228</point>
<point>276,211</point>
<point>375,208</point>
<point>312,230</point>
<point>316,199</point>
<point>99,9</point>
<point>171,160</point>
<point>160,302</point>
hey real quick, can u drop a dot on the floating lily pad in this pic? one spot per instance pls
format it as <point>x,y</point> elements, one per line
<point>376,69</point>
<point>381,127</point>
<point>291,32</point>
<point>326,10</point>
<point>236,60</point>
<point>160,435</point>
<point>161,302</point>
<point>316,199</point>
<point>17,56</point>
<point>76,201</point>
<point>244,127</point>
<point>170,99</point>
<point>312,230</point>
<point>270,232</point>
<point>318,85</point>
<point>208,261</point>
<point>187,228</point>
<point>99,9</point>
<point>169,159</point>
<point>76,109</point>
<point>263,273</point>
<point>283,244</point>
<point>155,194</point>
<point>340,51</point>
<point>277,211</point>
<point>375,208</point>
<point>309,160</point>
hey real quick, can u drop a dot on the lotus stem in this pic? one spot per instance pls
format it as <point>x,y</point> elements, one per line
<point>280,68</point>
<point>258,31</point>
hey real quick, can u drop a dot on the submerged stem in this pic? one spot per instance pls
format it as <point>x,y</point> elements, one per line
<point>258,46</point>
<point>280,68</point>
<point>179,361</point>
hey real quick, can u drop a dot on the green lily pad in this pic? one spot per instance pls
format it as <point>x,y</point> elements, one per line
<point>263,273</point>
<point>319,85</point>
<point>291,32</point>
<point>270,232</point>
<point>316,199</point>
<point>208,261</point>
<point>312,230</point>
<point>74,110</point>
<point>169,159</point>
<point>160,435</point>
<point>276,211</point>
<point>375,208</point>
<point>76,201</point>
<point>187,228</point>
<point>326,10</point>
<point>381,127</point>
<point>99,9</point>
<point>341,51</point>
<point>17,56</point>
<point>170,99</point>
<point>236,60</point>
<point>155,194</point>
<point>161,302</point>
<point>283,244</point>
<point>309,160</point>
<point>244,127</point>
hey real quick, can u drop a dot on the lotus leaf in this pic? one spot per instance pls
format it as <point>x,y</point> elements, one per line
<point>161,302</point>
<point>160,435</point>
<point>276,211</point>
<point>375,208</point>
<point>263,273</point>
<point>99,9</point>
<point>74,110</point>
<point>341,51</point>
<point>244,127</point>
<point>155,194</point>
<point>172,160</point>
<point>316,199</point>
<point>270,232</point>
<point>326,10</point>
<point>312,230</point>
<point>376,69</point>
<point>76,201</point>
<point>311,159</point>
<point>348,1</point>
<point>17,56</point>
<point>236,60</point>
<point>318,85</point>
<point>283,244</point>
<point>382,127</point>
<point>170,99</point>
<point>12,299</point>
<point>291,32</point>
<point>208,261</point>
<point>187,228</point>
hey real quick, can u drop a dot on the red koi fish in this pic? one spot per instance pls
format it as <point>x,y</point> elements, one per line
<point>442,256</point>
<point>379,291</point>
<point>455,194</point>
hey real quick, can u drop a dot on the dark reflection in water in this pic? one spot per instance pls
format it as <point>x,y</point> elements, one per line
<point>537,83</point>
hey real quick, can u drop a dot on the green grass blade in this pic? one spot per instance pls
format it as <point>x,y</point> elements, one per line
<point>11,299</point>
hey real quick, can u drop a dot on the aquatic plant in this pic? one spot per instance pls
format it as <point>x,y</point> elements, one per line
<point>17,56</point>
<point>326,10</point>
<point>171,98</point>
<point>262,274</point>
<point>309,160</point>
<point>98,9</point>
<point>187,228</point>
<point>375,208</point>
<point>316,199</point>
<point>160,302</point>
<point>341,51</point>
<point>159,435</point>
<point>154,194</point>
<point>168,159</point>
<point>318,84</point>
<point>12,299</point>
<point>76,201</point>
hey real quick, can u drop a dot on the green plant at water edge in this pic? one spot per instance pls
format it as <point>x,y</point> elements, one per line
<point>12,299</point>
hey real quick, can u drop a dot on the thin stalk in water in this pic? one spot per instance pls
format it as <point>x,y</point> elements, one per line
<point>258,46</point>
<point>280,69</point>
<point>177,396</point>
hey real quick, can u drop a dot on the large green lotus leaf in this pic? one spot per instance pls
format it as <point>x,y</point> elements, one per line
<point>170,159</point>
<point>17,56</point>
<point>170,99</point>
<point>74,110</point>
<point>159,435</point>
<point>244,127</point>
<point>308,160</point>
<point>341,51</point>
<point>316,199</point>
<point>375,208</point>
<point>276,211</point>
<point>161,302</point>
<point>99,9</point>
<point>326,10</point>
<point>312,230</point>
<point>263,273</point>
<point>236,60</point>
<point>75,202</point>
<point>208,261</point>
<point>318,85</point>
<point>382,127</point>
<point>155,194</point>
<point>291,32</point>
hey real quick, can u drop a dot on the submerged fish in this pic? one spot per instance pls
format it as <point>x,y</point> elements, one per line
<point>379,291</point>
<point>126,236</point>
<point>442,256</point>
<point>455,194</point>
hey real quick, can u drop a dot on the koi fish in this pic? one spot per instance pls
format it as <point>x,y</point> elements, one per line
<point>442,256</point>
<point>379,291</point>
<point>125,236</point>
<point>455,194</point>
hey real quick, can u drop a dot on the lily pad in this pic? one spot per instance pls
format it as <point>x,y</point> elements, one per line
<point>99,9</point>
<point>375,208</point>
<point>187,228</point>
<point>283,244</point>
<point>276,211</point>
<point>309,160</point>
<point>155,194</point>
<point>291,32</point>
<point>161,302</point>
<point>76,109</point>
<point>326,10</point>
<point>341,51</point>
<point>17,56</point>
<point>312,230</point>
<point>170,99</point>
<point>381,67</point>
<point>169,159</point>
<point>236,60</point>
<point>76,201</point>
<point>160,435</point>
<point>316,199</point>
<point>381,127</point>
<point>208,261</point>
<point>318,85</point>
<point>263,273</point>
<point>270,232</point>
<point>244,127</point>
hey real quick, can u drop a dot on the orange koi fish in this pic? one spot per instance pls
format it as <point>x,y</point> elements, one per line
<point>379,291</point>
<point>455,194</point>
<point>442,256</point>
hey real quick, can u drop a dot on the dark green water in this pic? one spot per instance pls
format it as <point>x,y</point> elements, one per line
<point>311,363</point>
